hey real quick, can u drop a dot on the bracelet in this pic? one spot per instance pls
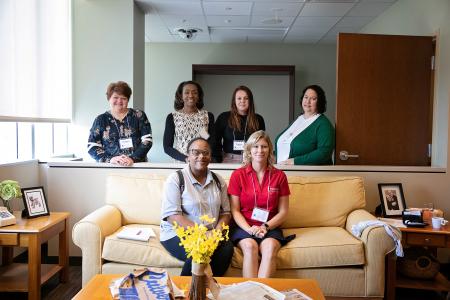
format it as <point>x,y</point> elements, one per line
<point>266,225</point>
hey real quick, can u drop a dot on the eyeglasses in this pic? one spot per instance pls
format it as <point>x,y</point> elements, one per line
<point>197,152</point>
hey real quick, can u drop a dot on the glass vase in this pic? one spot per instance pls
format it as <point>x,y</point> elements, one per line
<point>197,290</point>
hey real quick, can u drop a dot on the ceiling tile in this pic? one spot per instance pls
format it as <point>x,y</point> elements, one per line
<point>277,9</point>
<point>316,21</point>
<point>368,9</point>
<point>176,7</point>
<point>268,21</point>
<point>228,37</point>
<point>227,8</point>
<point>308,31</point>
<point>325,9</point>
<point>176,21</point>
<point>229,21</point>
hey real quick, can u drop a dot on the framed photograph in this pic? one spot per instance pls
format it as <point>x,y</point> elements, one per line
<point>392,199</point>
<point>35,202</point>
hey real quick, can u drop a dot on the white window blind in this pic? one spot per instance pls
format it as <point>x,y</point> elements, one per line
<point>35,60</point>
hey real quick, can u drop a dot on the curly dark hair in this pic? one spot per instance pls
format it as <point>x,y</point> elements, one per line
<point>119,87</point>
<point>321,98</point>
<point>179,104</point>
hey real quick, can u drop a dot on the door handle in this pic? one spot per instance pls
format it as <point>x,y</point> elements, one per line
<point>343,155</point>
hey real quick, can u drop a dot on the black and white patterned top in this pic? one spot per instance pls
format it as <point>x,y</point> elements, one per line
<point>181,128</point>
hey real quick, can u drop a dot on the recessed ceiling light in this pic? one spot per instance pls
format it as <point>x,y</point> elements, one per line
<point>272,21</point>
<point>275,20</point>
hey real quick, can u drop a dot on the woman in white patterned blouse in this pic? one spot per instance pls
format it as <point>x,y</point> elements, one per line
<point>188,121</point>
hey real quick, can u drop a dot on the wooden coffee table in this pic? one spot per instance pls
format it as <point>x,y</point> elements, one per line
<point>31,233</point>
<point>98,286</point>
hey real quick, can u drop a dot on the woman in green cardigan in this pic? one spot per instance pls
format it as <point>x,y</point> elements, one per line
<point>309,140</point>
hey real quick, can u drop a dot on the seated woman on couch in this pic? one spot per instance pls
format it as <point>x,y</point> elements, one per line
<point>259,204</point>
<point>187,196</point>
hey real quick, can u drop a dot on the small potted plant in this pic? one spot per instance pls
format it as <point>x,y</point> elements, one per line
<point>9,189</point>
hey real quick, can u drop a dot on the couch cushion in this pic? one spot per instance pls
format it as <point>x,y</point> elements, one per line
<point>150,253</point>
<point>323,201</point>
<point>316,247</point>
<point>137,196</point>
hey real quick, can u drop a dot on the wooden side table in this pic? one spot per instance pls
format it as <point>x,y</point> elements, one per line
<point>425,237</point>
<point>31,233</point>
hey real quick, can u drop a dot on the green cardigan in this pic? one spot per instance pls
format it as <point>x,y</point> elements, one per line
<point>314,145</point>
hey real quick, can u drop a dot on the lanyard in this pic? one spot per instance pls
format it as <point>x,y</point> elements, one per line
<point>118,131</point>
<point>245,130</point>
<point>268,190</point>
<point>199,197</point>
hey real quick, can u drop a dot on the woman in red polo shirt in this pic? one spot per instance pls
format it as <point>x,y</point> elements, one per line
<point>259,204</point>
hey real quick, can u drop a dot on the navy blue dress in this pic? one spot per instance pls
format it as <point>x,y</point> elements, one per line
<point>106,132</point>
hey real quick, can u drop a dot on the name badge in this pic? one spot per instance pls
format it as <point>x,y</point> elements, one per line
<point>126,143</point>
<point>260,214</point>
<point>204,134</point>
<point>238,145</point>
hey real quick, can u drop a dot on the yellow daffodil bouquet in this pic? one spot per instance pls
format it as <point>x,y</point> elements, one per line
<point>199,242</point>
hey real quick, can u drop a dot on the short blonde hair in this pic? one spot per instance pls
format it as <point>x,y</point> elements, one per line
<point>252,140</point>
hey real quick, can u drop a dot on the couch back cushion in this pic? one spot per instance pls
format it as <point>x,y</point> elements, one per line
<point>137,196</point>
<point>323,201</point>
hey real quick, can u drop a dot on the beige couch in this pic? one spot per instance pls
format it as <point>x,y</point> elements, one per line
<point>321,213</point>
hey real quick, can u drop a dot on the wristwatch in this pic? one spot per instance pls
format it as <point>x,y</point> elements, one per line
<point>266,225</point>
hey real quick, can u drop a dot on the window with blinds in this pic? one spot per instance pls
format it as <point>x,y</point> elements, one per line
<point>35,78</point>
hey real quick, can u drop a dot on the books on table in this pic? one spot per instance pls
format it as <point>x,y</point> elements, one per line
<point>136,233</point>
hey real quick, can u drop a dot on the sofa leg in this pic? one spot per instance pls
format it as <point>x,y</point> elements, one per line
<point>391,276</point>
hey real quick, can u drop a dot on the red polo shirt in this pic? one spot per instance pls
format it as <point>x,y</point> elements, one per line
<point>244,184</point>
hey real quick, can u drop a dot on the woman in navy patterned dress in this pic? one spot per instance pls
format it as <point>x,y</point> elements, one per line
<point>121,135</point>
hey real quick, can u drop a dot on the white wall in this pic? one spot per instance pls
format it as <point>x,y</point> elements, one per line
<point>169,64</point>
<point>416,17</point>
<point>103,52</point>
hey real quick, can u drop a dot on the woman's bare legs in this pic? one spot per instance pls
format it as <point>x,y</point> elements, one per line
<point>269,248</point>
<point>249,249</point>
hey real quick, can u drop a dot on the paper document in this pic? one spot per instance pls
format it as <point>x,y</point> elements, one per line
<point>248,290</point>
<point>295,294</point>
<point>136,233</point>
<point>394,222</point>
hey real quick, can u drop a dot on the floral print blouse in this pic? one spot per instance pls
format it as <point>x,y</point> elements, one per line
<point>106,132</point>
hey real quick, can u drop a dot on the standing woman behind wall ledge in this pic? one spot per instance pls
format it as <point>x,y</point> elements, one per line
<point>188,121</point>
<point>310,140</point>
<point>122,135</point>
<point>233,127</point>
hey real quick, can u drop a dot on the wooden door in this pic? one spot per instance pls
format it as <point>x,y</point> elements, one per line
<point>383,109</point>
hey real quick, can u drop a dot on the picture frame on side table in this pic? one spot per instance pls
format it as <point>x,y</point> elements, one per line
<point>35,202</point>
<point>392,199</point>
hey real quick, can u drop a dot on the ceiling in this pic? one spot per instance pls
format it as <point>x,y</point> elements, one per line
<point>258,21</point>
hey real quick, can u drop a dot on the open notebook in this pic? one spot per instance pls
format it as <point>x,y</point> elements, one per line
<point>136,233</point>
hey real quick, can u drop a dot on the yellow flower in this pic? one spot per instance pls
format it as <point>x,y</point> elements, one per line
<point>198,242</point>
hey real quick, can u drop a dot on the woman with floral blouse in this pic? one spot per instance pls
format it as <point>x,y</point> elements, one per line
<point>121,135</point>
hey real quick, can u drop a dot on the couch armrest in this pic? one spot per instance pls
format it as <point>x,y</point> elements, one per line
<point>377,244</point>
<point>89,234</point>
